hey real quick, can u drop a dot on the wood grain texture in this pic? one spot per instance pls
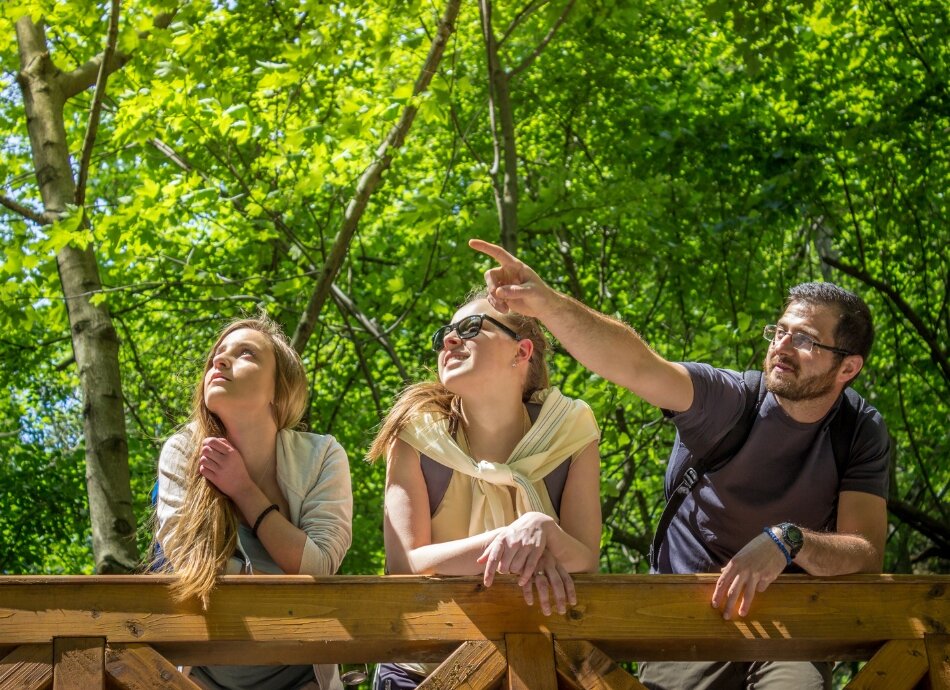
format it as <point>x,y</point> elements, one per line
<point>530,662</point>
<point>473,666</point>
<point>79,663</point>
<point>139,667</point>
<point>585,666</point>
<point>898,665</point>
<point>364,619</point>
<point>938,659</point>
<point>27,667</point>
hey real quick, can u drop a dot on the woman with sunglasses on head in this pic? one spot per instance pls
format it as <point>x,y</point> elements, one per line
<point>241,491</point>
<point>488,470</point>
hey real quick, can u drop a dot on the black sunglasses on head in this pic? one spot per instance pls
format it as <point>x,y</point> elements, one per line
<point>467,328</point>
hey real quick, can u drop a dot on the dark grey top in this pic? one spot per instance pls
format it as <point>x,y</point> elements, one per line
<point>785,472</point>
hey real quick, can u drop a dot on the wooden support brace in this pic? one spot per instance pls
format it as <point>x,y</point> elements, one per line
<point>27,667</point>
<point>898,665</point>
<point>530,662</point>
<point>139,667</point>
<point>473,666</point>
<point>938,658</point>
<point>79,663</point>
<point>583,665</point>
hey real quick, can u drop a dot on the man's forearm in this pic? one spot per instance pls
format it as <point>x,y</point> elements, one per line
<point>616,352</point>
<point>829,554</point>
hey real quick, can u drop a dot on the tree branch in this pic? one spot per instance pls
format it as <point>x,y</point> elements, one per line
<point>924,331</point>
<point>25,211</point>
<point>370,180</point>
<point>345,301</point>
<point>936,531</point>
<point>87,74</point>
<point>543,44</point>
<point>89,141</point>
<point>526,11</point>
<point>360,355</point>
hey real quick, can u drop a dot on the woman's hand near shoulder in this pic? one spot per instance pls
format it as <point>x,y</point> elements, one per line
<point>222,465</point>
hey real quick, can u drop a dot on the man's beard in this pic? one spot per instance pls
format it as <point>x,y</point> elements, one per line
<point>798,388</point>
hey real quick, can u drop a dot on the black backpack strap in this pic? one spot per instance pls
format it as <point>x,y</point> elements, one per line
<point>844,429</point>
<point>714,459</point>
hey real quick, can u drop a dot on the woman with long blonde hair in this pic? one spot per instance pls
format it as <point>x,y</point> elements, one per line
<point>489,470</point>
<point>242,491</point>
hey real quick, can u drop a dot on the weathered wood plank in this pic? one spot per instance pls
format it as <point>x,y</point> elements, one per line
<point>346,651</point>
<point>473,666</point>
<point>79,663</point>
<point>139,667</point>
<point>585,666</point>
<point>530,662</point>
<point>27,667</point>
<point>628,617</point>
<point>898,665</point>
<point>938,658</point>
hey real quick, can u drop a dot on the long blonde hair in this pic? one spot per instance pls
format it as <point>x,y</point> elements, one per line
<point>432,396</point>
<point>205,538</point>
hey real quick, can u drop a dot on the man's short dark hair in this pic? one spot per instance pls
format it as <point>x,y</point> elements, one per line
<point>854,331</point>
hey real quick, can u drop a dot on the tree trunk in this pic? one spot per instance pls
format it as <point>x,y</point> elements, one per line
<point>94,340</point>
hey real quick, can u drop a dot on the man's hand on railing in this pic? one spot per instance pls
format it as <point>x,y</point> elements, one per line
<point>751,570</point>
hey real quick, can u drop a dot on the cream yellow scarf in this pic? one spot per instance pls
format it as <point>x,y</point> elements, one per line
<point>563,427</point>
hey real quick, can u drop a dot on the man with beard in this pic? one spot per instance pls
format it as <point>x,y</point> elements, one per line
<point>780,503</point>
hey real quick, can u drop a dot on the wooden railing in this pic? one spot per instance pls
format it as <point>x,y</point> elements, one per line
<point>126,632</point>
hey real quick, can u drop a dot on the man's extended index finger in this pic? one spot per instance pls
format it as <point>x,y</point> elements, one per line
<point>499,254</point>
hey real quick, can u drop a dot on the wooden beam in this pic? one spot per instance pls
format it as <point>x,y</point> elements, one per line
<point>79,663</point>
<point>345,651</point>
<point>585,666</point>
<point>938,658</point>
<point>898,665</point>
<point>473,666</point>
<point>139,667</point>
<point>530,662</point>
<point>27,667</point>
<point>333,619</point>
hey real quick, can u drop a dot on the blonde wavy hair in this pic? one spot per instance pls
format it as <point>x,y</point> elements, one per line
<point>432,396</point>
<point>199,547</point>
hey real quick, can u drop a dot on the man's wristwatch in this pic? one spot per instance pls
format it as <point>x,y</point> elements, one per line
<point>793,538</point>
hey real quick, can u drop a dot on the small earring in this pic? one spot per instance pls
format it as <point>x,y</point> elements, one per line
<point>515,363</point>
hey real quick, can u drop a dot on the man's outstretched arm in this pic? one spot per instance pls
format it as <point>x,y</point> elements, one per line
<point>604,345</point>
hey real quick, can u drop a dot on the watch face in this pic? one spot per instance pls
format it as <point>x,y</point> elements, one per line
<point>792,536</point>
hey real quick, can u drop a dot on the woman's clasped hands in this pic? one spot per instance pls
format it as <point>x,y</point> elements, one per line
<point>222,465</point>
<point>522,549</point>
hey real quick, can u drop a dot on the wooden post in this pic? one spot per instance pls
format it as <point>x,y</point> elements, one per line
<point>79,663</point>
<point>530,662</point>
<point>938,657</point>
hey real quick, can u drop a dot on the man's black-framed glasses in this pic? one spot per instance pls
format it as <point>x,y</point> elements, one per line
<point>800,341</point>
<point>467,328</point>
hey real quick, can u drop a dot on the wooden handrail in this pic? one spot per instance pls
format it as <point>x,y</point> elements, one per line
<point>301,619</point>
